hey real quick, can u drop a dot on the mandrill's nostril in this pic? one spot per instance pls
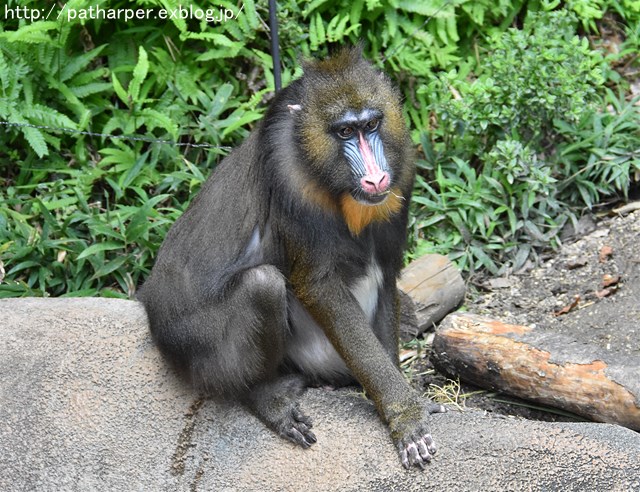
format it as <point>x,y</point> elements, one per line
<point>375,183</point>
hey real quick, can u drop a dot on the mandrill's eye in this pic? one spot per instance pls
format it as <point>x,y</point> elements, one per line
<point>372,125</point>
<point>345,132</point>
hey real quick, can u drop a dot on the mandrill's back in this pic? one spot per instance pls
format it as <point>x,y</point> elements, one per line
<point>204,246</point>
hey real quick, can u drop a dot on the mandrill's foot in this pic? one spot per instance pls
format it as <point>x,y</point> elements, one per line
<point>296,427</point>
<point>412,436</point>
<point>276,404</point>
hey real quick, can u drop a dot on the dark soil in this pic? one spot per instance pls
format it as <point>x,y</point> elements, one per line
<point>589,291</point>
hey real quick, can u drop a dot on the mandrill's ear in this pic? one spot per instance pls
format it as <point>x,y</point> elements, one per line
<point>294,108</point>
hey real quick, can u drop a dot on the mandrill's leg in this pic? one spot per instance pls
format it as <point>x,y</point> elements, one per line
<point>246,348</point>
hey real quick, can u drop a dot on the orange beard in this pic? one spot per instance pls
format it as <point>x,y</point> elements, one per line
<point>358,216</point>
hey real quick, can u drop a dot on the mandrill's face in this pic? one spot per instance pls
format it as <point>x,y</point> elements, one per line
<point>363,151</point>
<point>354,140</point>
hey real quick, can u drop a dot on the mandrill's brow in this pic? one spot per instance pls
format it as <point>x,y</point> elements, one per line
<point>351,118</point>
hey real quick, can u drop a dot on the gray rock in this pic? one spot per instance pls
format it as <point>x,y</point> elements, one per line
<point>86,403</point>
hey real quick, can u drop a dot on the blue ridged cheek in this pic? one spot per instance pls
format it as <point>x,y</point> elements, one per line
<point>378,151</point>
<point>353,155</point>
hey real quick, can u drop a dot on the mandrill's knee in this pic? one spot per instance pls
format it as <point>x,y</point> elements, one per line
<point>265,286</point>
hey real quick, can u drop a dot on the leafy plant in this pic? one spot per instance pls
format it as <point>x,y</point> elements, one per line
<point>600,154</point>
<point>83,214</point>
<point>530,78</point>
<point>517,151</point>
<point>110,126</point>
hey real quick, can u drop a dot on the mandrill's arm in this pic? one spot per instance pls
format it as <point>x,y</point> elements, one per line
<point>407,413</point>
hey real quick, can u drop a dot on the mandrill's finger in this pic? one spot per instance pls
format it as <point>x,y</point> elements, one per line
<point>423,450</point>
<point>301,417</point>
<point>310,437</point>
<point>431,445</point>
<point>298,438</point>
<point>404,457</point>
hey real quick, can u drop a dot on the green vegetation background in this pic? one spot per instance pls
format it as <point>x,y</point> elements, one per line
<point>520,111</point>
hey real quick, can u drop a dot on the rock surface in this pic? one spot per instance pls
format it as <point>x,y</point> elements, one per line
<point>86,403</point>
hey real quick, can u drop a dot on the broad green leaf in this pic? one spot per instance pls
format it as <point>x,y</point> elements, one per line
<point>23,266</point>
<point>60,203</point>
<point>100,247</point>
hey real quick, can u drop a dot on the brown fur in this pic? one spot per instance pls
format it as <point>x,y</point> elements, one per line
<point>312,193</point>
<point>348,82</point>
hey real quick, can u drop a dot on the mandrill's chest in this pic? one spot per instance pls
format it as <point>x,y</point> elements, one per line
<point>366,288</point>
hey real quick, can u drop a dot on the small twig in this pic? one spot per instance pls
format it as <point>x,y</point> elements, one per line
<point>628,208</point>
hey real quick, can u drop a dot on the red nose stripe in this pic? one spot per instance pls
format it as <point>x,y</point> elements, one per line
<point>367,156</point>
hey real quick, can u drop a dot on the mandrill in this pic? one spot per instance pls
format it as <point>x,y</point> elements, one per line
<point>282,272</point>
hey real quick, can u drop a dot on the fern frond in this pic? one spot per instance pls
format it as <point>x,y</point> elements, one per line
<point>83,91</point>
<point>36,140</point>
<point>44,115</point>
<point>79,63</point>
<point>33,33</point>
<point>153,119</point>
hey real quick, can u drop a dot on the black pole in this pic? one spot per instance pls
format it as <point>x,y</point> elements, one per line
<point>275,45</point>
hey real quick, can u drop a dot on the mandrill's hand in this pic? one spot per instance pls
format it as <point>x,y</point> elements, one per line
<point>410,432</point>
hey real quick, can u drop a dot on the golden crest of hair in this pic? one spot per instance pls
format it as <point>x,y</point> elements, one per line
<point>347,80</point>
<point>340,61</point>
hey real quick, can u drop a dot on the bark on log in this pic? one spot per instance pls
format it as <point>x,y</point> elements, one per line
<point>430,288</point>
<point>543,367</point>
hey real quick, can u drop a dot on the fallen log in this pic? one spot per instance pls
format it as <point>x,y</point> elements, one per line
<point>430,288</point>
<point>539,366</point>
